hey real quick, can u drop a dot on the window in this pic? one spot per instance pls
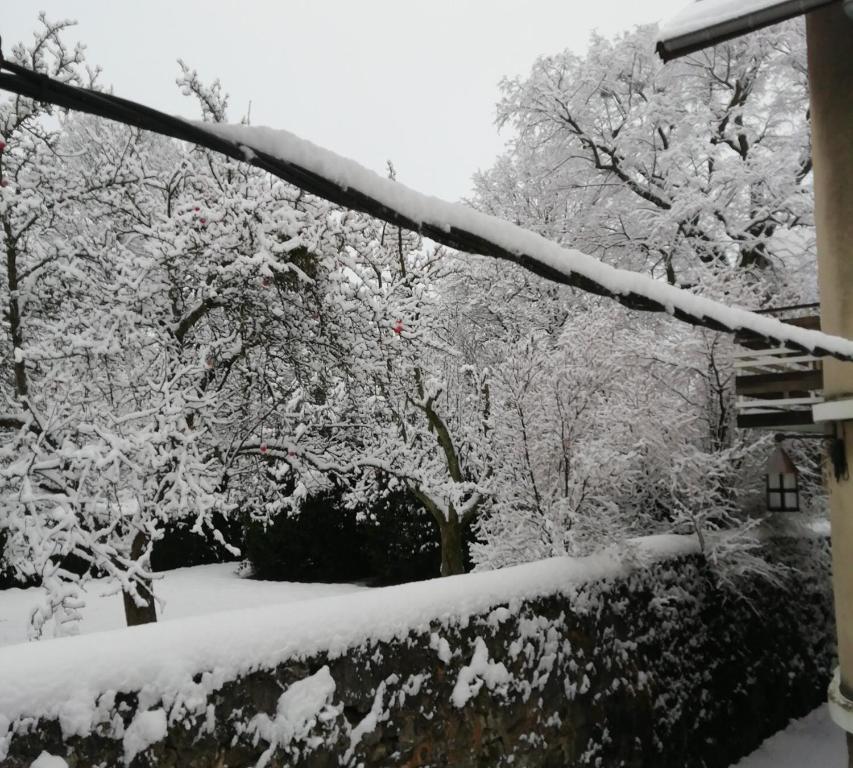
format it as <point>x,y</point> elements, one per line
<point>783,493</point>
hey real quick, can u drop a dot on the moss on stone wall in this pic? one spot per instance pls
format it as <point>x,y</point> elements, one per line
<point>664,668</point>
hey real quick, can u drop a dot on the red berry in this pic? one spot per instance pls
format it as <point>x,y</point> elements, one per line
<point>4,183</point>
<point>291,453</point>
<point>265,281</point>
<point>202,221</point>
<point>196,209</point>
<point>2,145</point>
<point>263,448</point>
<point>398,327</point>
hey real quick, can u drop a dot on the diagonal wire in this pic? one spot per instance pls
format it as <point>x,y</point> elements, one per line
<point>41,88</point>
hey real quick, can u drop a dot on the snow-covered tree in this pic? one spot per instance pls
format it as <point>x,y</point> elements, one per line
<point>603,431</point>
<point>139,276</point>
<point>186,335</point>
<point>698,173</point>
<point>394,402</point>
<point>700,166</point>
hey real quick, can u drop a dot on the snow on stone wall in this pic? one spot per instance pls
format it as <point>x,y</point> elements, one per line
<point>638,656</point>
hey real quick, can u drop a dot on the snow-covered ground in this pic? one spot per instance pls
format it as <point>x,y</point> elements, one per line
<point>813,742</point>
<point>185,591</point>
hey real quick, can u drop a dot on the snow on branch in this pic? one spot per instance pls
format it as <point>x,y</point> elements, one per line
<point>345,182</point>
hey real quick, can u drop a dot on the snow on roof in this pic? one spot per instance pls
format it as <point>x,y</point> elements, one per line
<point>62,678</point>
<point>780,463</point>
<point>704,23</point>
<point>447,222</point>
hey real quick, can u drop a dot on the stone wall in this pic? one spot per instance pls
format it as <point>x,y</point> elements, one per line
<point>664,667</point>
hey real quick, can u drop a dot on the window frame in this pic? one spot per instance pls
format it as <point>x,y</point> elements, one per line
<point>775,485</point>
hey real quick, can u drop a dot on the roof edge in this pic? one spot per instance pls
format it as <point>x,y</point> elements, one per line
<point>681,45</point>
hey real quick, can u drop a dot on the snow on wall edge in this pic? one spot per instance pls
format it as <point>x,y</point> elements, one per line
<point>62,678</point>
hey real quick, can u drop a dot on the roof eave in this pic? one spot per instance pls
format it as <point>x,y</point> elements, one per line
<point>682,45</point>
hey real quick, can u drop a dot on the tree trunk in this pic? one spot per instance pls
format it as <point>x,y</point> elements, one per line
<point>19,366</point>
<point>140,614</point>
<point>452,560</point>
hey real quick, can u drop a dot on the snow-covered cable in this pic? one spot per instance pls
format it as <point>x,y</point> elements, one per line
<point>345,182</point>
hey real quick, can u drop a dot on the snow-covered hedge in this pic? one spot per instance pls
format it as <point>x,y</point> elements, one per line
<point>634,657</point>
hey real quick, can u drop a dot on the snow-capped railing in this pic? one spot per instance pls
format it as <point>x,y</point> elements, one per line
<point>775,386</point>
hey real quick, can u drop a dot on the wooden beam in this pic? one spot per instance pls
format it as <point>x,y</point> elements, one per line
<point>731,20</point>
<point>773,420</point>
<point>790,382</point>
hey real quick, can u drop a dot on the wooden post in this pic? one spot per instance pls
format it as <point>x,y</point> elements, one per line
<point>830,52</point>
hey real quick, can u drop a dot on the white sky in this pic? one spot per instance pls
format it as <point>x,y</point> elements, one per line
<point>414,82</point>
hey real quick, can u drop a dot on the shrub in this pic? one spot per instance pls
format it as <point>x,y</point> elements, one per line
<point>322,542</point>
<point>180,546</point>
<point>393,542</point>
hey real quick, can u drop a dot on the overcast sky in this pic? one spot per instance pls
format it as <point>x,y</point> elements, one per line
<point>414,82</point>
